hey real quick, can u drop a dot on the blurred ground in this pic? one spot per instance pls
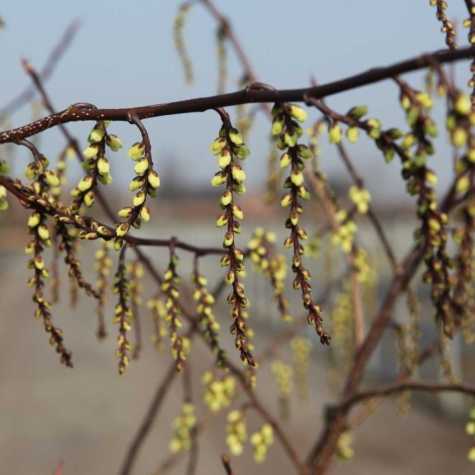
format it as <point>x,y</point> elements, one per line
<point>87,416</point>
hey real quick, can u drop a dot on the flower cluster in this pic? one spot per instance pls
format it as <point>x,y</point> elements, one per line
<point>208,323</point>
<point>68,245</point>
<point>448,28</point>
<point>159,312</point>
<point>301,349</point>
<point>344,449</point>
<point>219,392</point>
<point>96,166</point>
<point>344,232</point>
<point>178,28</point>
<point>236,432</point>
<point>470,430</point>
<point>464,295</point>
<point>261,442</point>
<point>365,272</point>
<point>221,34</point>
<point>420,181</point>
<point>41,238</point>
<point>144,184</point>
<point>283,375</point>
<point>287,131</point>
<point>183,426</point>
<point>360,197</point>
<point>135,273</point>
<point>342,324</point>
<point>122,312</point>
<point>103,266</point>
<point>180,345</point>
<point>229,148</point>
<point>266,261</point>
<point>3,191</point>
<point>3,198</point>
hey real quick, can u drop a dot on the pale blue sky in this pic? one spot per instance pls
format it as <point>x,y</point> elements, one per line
<point>124,55</point>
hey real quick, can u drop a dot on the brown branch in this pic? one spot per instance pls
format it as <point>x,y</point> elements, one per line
<point>227,465</point>
<point>321,454</point>
<point>146,425</point>
<point>85,111</point>
<point>48,69</point>
<point>346,405</point>
<point>31,200</point>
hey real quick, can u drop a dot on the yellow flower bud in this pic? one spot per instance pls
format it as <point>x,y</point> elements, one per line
<point>90,152</point>
<point>85,183</point>
<point>103,166</point>
<point>137,151</point>
<point>153,179</point>
<point>285,160</point>
<point>43,233</point>
<point>141,167</point>
<point>51,178</point>
<point>297,178</point>
<point>226,198</point>
<point>224,158</point>
<point>218,180</point>
<point>298,113</point>
<point>463,104</point>
<point>121,230</point>
<point>96,135</point>
<point>124,212</point>
<point>352,134</point>
<point>334,134</point>
<point>114,142</point>
<point>139,199</point>
<point>222,221</point>
<point>34,220</point>
<point>88,199</point>
<point>145,214</point>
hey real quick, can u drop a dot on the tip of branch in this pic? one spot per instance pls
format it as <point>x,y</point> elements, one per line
<point>27,66</point>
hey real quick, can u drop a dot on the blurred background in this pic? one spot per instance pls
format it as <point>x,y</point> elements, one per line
<point>124,55</point>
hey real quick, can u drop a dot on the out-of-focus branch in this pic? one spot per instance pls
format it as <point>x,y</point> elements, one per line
<point>53,59</point>
<point>406,386</point>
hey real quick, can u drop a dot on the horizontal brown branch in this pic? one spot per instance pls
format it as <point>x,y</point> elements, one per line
<point>406,386</point>
<point>84,223</point>
<point>85,111</point>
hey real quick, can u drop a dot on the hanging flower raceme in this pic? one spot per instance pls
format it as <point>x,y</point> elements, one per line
<point>464,294</point>
<point>41,238</point>
<point>122,312</point>
<point>96,165</point>
<point>283,375</point>
<point>3,191</point>
<point>301,348</point>
<point>272,265</point>
<point>415,149</point>
<point>159,313</point>
<point>287,131</point>
<point>229,148</point>
<point>219,392</point>
<point>236,432</point>
<point>207,320</point>
<point>144,185</point>
<point>103,265</point>
<point>261,442</point>
<point>135,272</point>
<point>180,345</point>
<point>183,426</point>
